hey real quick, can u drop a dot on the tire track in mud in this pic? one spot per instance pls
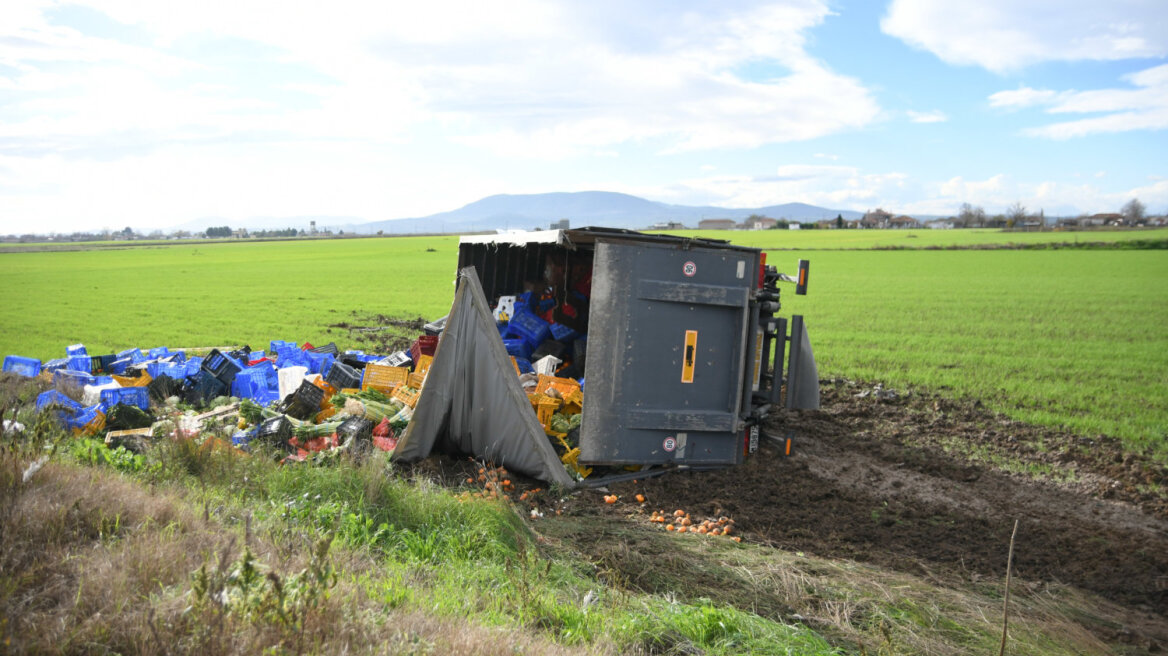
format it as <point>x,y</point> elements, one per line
<point>867,480</point>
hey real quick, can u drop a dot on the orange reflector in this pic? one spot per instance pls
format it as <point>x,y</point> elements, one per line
<point>689,356</point>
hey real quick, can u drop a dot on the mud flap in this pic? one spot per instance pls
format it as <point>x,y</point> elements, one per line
<point>802,374</point>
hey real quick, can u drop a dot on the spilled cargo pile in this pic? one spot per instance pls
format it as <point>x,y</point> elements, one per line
<point>301,401</point>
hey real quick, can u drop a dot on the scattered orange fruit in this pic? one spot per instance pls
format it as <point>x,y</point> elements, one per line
<point>669,527</point>
<point>640,498</point>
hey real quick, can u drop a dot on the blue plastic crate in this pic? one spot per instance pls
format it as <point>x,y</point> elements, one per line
<point>562,333</point>
<point>242,438</point>
<point>81,363</point>
<point>138,396</point>
<point>277,344</point>
<point>253,382</point>
<point>71,377</point>
<point>168,369</point>
<point>292,358</point>
<point>524,365</point>
<point>318,363</point>
<point>529,328</point>
<point>56,364</point>
<point>84,416</point>
<point>193,366</point>
<point>101,362</point>
<point>76,349</point>
<point>129,353</point>
<point>23,366</point>
<point>158,352</point>
<point>517,347</point>
<point>120,365</point>
<point>53,397</point>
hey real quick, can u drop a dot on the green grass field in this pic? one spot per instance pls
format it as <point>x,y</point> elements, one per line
<point>1056,337</point>
<point>914,239</point>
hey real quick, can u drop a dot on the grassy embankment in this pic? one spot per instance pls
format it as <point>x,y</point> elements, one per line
<point>195,549</point>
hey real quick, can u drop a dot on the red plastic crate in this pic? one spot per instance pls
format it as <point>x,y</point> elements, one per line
<point>423,345</point>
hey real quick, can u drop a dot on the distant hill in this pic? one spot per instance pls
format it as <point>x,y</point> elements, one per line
<point>528,211</point>
<point>584,208</point>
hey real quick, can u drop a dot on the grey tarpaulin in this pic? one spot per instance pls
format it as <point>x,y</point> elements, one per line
<point>472,401</point>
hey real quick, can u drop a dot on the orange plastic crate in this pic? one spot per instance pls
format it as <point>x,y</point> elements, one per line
<point>94,425</point>
<point>574,402</point>
<point>141,381</point>
<point>324,414</point>
<point>407,396</point>
<point>423,364</point>
<point>564,386</point>
<point>329,392</point>
<point>384,378</point>
<point>544,411</point>
<point>416,380</point>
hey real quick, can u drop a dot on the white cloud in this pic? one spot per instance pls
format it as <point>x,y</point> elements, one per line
<point>387,84</point>
<point>1144,107</point>
<point>1022,97</point>
<point>830,186</point>
<point>520,77</point>
<point>1005,35</point>
<point>850,188</point>
<point>935,116</point>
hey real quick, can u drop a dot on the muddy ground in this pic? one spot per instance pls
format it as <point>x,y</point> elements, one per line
<point>929,486</point>
<point>885,478</point>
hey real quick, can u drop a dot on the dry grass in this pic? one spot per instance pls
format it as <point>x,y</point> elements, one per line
<point>91,563</point>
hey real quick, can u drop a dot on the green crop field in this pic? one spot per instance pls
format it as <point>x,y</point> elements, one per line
<point>914,239</point>
<point>1057,337</point>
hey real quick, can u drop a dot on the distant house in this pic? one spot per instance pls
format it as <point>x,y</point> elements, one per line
<point>875,219</point>
<point>940,224</point>
<point>562,224</point>
<point>759,223</point>
<point>825,224</point>
<point>903,222</point>
<point>1105,219</point>
<point>717,224</point>
<point>666,225</point>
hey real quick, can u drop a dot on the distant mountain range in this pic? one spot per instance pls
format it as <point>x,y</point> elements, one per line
<point>529,211</point>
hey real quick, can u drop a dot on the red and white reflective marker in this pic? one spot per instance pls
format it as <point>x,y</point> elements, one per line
<point>669,444</point>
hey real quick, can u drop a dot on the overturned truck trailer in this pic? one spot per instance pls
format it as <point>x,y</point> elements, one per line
<point>685,355</point>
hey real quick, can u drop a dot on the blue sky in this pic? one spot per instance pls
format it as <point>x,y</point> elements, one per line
<point>151,114</point>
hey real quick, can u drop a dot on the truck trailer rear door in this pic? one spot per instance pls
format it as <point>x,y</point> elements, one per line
<point>667,340</point>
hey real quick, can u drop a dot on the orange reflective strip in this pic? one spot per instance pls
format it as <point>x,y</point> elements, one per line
<point>689,356</point>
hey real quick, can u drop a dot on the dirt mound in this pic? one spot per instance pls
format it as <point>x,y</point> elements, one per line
<point>887,478</point>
